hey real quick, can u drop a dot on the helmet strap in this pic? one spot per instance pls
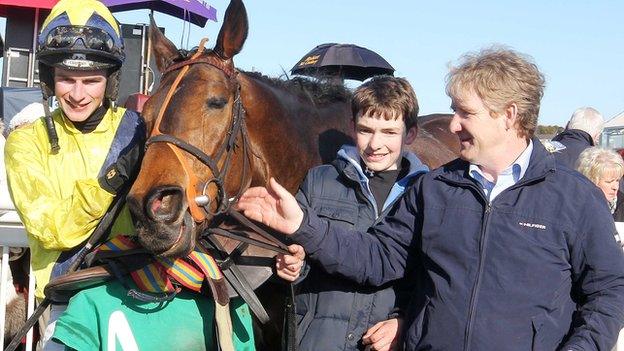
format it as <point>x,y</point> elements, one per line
<point>112,84</point>
<point>50,127</point>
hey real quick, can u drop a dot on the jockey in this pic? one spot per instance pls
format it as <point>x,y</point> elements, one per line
<point>65,169</point>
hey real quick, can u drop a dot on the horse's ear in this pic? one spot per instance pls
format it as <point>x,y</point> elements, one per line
<point>233,32</point>
<point>165,52</point>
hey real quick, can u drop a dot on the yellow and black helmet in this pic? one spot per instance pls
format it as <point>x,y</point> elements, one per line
<point>80,35</point>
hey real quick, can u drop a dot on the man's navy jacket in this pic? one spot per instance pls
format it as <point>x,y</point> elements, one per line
<point>575,141</point>
<point>505,275</point>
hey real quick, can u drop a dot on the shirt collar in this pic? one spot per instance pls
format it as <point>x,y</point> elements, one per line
<point>105,124</point>
<point>517,169</point>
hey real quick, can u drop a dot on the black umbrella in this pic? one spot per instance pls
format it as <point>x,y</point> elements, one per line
<point>346,61</point>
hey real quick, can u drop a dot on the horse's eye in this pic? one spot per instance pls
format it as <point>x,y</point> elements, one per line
<point>216,103</point>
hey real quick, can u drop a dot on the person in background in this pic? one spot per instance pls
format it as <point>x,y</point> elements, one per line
<point>26,116</point>
<point>582,131</point>
<point>356,190</point>
<point>5,199</point>
<point>605,168</point>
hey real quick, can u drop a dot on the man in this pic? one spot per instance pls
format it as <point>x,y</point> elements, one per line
<point>61,194</point>
<point>582,131</point>
<point>355,191</point>
<point>497,240</point>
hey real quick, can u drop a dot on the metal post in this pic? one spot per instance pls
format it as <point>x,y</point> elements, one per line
<point>31,306</point>
<point>31,55</point>
<point>4,272</point>
<point>142,77</point>
<point>146,68</point>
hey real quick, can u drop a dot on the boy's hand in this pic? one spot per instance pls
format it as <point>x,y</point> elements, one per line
<point>383,336</point>
<point>289,266</point>
<point>275,207</point>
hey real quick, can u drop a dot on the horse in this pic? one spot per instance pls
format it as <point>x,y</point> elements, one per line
<point>216,131</point>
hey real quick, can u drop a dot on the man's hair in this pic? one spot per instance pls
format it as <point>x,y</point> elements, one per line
<point>587,119</point>
<point>594,163</point>
<point>387,96</point>
<point>501,77</point>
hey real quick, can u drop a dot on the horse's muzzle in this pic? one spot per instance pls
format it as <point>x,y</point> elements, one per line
<point>163,224</point>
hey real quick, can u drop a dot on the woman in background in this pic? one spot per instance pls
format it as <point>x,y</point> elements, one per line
<point>605,167</point>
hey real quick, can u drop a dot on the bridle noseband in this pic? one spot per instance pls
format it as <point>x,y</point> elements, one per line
<point>200,203</point>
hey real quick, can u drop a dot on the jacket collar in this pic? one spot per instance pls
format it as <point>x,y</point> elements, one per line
<point>106,124</point>
<point>576,134</point>
<point>348,163</point>
<point>540,164</point>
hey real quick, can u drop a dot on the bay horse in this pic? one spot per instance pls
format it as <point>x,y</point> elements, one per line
<point>215,131</point>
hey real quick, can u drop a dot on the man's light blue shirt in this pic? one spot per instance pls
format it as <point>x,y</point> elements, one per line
<point>508,177</point>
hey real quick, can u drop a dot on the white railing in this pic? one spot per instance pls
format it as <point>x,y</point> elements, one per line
<point>12,234</point>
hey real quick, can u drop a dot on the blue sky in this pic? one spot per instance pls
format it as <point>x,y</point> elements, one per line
<point>577,44</point>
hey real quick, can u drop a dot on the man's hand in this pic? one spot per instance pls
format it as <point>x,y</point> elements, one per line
<point>383,336</point>
<point>275,207</point>
<point>289,266</point>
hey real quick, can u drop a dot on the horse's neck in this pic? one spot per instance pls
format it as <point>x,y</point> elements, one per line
<point>291,134</point>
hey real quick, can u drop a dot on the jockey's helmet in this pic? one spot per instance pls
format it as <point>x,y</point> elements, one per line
<point>80,35</point>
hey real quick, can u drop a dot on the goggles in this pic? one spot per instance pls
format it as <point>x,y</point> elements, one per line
<point>75,37</point>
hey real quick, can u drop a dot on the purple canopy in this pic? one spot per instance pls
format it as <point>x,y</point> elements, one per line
<point>194,11</point>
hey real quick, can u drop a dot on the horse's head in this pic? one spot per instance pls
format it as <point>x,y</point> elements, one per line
<point>197,140</point>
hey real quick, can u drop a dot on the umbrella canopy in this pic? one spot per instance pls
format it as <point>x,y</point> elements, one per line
<point>194,11</point>
<point>29,4</point>
<point>346,61</point>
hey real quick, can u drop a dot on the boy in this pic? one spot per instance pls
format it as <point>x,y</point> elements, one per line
<point>355,191</point>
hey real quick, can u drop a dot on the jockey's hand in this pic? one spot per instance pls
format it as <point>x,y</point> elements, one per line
<point>275,207</point>
<point>289,266</point>
<point>123,170</point>
<point>383,336</point>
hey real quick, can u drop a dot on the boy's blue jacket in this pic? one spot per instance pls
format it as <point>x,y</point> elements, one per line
<point>501,276</point>
<point>333,313</point>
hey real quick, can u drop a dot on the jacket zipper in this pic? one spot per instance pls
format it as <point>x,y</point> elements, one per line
<point>475,287</point>
<point>482,240</point>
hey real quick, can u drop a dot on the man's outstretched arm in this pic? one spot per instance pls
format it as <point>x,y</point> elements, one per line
<point>375,257</point>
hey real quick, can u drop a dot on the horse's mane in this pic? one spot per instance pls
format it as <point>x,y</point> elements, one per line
<point>320,92</point>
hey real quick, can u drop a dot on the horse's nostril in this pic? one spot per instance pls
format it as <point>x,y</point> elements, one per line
<point>165,205</point>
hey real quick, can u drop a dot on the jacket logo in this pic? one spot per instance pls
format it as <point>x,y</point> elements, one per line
<point>111,174</point>
<point>532,225</point>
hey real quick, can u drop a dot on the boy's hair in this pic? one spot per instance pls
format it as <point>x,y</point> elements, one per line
<point>501,77</point>
<point>387,96</point>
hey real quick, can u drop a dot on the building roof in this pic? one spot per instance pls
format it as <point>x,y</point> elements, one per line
<point>617,121</point>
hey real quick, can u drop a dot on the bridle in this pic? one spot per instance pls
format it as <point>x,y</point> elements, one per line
<point>199,203</point>
<point>196,194</point>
